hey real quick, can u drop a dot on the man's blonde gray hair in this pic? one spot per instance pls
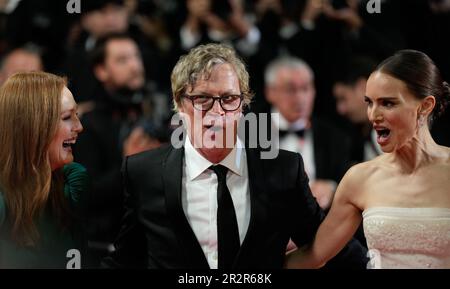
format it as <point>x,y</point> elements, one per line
<point>284,62</point>
<point>199,62</point>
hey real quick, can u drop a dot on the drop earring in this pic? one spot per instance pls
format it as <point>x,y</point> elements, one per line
<point>421,120</point>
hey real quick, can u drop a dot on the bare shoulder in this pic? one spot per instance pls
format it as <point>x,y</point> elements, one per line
<point>363,171</point>
<point>444,156</point>
<point>352,187</point>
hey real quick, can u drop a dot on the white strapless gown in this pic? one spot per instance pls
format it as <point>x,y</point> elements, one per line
<point>407,237</point>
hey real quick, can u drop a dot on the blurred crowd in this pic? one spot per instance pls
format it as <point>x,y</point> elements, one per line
<point>308,60</point>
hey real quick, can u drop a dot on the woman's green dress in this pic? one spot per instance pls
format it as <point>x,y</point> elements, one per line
<point>52,249</point>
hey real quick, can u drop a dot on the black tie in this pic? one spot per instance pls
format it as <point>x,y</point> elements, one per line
<point>227,228</point>
<point>300,132</point>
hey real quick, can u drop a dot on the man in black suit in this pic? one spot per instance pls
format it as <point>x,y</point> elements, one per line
<point>325,150</point>
<point>115,126</point>
<point>211,202</point>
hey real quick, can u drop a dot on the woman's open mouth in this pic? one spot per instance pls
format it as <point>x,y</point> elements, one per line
<point>383,134</point>
<point>68,144</point>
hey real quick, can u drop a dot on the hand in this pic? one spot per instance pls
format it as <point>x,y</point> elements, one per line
<point>198,11</point>
<point>313,9</point>
<point>138,141</point>
<point>323,191</point>
<point>301,258</point>
<point>291,247</point>
<point>237,19</point>
<point>262,6</point>
<point>292,259</point>
<point>347,15</point>
<point>198,8</point>
<point>350,17</point>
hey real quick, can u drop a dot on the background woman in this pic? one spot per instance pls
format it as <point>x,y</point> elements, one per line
<point>42,192</point>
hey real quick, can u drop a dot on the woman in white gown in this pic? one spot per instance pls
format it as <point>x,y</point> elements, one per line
<point>403,196</point>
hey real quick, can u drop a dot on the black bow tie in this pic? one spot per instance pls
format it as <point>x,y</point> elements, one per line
<point>300,132</point>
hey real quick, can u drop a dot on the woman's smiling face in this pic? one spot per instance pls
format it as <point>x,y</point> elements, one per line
<point>69,126</point>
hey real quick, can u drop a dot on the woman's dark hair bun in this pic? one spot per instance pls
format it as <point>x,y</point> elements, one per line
<point>444,100</point>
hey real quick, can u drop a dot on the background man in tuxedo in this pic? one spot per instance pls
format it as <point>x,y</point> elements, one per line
<point>209,204</point>
<point>325,150</point>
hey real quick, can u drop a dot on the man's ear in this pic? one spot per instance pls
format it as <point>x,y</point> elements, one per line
<point>427,105</point>
<point>101,73</point>
<point>180,107</point>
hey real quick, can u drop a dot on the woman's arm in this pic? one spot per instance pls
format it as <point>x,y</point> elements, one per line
<point>336,230</point>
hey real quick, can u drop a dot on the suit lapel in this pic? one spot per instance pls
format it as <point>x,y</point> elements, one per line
<point>173,172</point>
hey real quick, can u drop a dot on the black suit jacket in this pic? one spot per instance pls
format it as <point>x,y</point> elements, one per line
<point>98,150</point>
<point>156,234</point>
<point>332,150</point>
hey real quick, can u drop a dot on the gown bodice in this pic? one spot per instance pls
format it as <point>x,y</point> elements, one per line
<point>407,237</point>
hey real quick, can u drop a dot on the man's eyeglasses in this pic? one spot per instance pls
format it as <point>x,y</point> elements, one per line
<point>204,103</point>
